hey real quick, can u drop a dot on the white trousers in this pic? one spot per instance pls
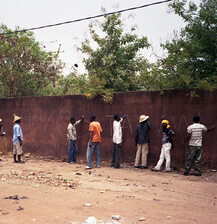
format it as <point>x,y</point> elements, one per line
<point>165,154</point>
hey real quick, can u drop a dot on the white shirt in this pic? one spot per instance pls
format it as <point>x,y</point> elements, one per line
<point>117,132</point>
<point>196,130</point>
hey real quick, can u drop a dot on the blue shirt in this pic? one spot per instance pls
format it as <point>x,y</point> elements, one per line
<point>167,133</point>
<point>17,132</point>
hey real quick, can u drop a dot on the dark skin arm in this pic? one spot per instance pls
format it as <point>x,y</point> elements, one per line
<point>171,135</point>
<point>20,141</point>
<point>3,133</point>
<point>186,139</point>
<point>124,117</point>
<point>210,129</point>
<point>82,118</point>
<point>91,137</point>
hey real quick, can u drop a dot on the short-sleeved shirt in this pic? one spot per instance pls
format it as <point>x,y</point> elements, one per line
<point>196,130</point>
<point>117,132</point>
<point>95,127</point>
<point>165,138</point>
<point>71,131</point>
<point>17,132</point>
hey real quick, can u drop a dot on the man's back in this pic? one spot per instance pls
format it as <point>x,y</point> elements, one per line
<point>196,130</point>
<point>95,127</point>
<point>142,135</point>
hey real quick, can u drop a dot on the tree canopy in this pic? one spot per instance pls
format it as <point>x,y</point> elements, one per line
<point>192,57</point>
<point>26,69</point>
<point>115,63</point>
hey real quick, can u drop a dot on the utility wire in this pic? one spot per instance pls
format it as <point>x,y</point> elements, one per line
<point>87,18</point>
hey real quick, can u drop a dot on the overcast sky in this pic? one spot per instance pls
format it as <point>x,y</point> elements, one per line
<point>154,22</point>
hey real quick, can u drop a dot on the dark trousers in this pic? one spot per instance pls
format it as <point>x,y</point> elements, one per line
<point>116,155</point>
<point>193,154</point>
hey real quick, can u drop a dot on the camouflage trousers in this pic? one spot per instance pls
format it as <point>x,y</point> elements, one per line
<point>193,155</point>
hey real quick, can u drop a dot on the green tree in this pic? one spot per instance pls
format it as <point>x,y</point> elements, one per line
<point>71,84</point>
<point>191,59</point>
<point>116,63</point>
<point>26,69</point>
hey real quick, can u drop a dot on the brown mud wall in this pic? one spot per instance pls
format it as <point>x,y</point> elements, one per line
<point>45,119</point>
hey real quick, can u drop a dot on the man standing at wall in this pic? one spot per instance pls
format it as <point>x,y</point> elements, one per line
<point>194,150</point>
<point>142,140</point>
<point>1,132</point>
<point>94,142</point>
<point>72,139</point>
<point>167,144</point>
<point>117,140</point>
<point>17,139</point>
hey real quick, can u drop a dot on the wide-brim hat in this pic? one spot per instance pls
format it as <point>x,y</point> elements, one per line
<point>143,118</point>
<point>16,118</point>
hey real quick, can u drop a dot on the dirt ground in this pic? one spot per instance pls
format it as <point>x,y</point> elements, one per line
<point>49,191</point>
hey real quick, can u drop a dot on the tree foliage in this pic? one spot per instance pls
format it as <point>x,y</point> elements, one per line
<point>26,69</point>
<point>192,58</point>
<point>114,65</point>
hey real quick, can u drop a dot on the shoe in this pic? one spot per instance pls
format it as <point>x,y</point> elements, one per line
<point>144,167</point>
<point>165,171</point>
<point>112,165</point>
<point>88,167</point>
<point>154,169</point>
<point>198,174</point>
<point>98,167</point>
<point>117,167</point>
<point>186,174</point>
<point>136,166</point>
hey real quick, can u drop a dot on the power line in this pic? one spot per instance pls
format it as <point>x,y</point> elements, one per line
<point>87,18</point>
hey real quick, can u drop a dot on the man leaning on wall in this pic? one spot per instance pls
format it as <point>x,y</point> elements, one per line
<point>194,150</point>
<point>17,140</point>
<point>142,140</point>
<point>94,142</point>
<point>72,139</point>
<point>117,140</point>
<point>2,133</point>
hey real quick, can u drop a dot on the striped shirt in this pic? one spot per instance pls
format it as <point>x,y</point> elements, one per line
<point>196,130</point>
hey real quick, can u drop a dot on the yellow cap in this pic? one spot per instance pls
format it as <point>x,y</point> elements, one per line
<point>165,122</point>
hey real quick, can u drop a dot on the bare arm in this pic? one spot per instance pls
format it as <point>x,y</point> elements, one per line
<point>186,139</point>
<point>210,129</point>
<point>122,119</point>
<point>20,141</point>
<point>91,137</point>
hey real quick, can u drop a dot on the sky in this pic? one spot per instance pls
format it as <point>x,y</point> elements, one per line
<point>154,22</point>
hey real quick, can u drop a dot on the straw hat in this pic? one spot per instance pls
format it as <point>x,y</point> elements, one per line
<point>143,118</point>
<point>16,118</point>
